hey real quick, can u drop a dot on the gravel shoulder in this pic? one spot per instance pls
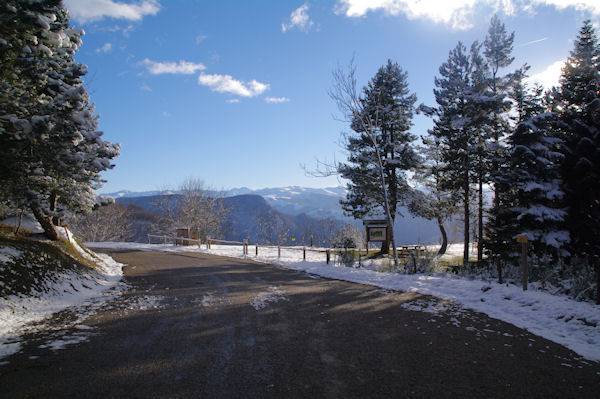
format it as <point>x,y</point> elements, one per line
<point>195,325</point>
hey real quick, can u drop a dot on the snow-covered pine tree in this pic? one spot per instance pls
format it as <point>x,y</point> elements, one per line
<point>498,47</point>
<point>459,124</point>
<point>535,158</point>
<point>501,227</point>
<point>380,129</point>
<point>579,104</point>
<point>54,153</point>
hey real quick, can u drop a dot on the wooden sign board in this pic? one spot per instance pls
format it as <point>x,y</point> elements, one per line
<point>522,238</point>
<point>377,234</point>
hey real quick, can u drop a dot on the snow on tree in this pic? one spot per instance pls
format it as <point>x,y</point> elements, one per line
<point>459,126</point>
<point>53,153</point>
<point>578,103</point>
<point>535,157</point>
<point>498,47</point>
<point>380,151</point>
<point>349,236</point>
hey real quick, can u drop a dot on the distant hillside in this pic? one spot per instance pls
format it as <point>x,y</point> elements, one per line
<point>307,205</point>
<point>242,217</point>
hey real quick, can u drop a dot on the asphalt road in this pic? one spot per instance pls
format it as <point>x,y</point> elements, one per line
<point>199,326</point>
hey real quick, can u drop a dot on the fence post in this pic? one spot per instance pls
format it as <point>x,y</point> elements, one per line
<point>328,255</point>
<point>256,249</point>
<point>278,252</point>
<point>524,263</point>
<point>208,243</point>
<point>522,239</point>
<point>359,264</point>
<point>304,253</point>
<point>148,238</point>
<point>165,240</point>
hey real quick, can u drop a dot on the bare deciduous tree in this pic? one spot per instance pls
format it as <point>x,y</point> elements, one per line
<point>197,208</point>
<point>272,228</point>
<point>112,222</point>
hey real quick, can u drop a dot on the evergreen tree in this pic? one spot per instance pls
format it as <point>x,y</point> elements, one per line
<point>536,154</point>
<point>381,145</point>
<point>498,47</point>
<point>52,152</point>
<point>459,125</point>
<point>578,102</point>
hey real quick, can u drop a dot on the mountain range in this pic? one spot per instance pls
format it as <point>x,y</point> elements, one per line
<point>298,205</point>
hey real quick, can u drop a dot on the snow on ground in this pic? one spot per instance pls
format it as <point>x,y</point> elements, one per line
<point>71,289</point>
<point>272,295</point>
<point>573,324</point>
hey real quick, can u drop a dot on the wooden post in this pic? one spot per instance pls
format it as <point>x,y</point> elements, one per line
<point>256,249</point>
<point>148,238</point>
<point>165,240</point>
<point>304,253</point>
<point>208,243</point>
<point>328,256</point>
<point>278,252</point>
<point>359,253</point>
<point>523,240</point>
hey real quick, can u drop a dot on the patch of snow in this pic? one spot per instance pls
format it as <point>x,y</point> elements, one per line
<point>272,295</point>
<point>71,289</point>
<point>8,254</point>
<point>27,222</point>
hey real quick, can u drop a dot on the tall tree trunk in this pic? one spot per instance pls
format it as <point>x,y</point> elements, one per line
<point>53,202</point>
<point>597,282</point>
<point>19,222</point>
<point>45,221</point>
<point>480,223</point>
<point>444,237</point>
<point>466,227</point>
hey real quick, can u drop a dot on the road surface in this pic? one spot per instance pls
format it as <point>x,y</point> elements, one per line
<point>200,326</point>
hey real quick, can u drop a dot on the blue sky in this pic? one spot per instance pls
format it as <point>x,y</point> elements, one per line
<point>235,92</point>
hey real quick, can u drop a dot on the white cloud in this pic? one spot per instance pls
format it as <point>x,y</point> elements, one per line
<point>592,6</point>
<point>200,38</point>
<point>181,67</point>
<point>458,14</point>
<point>548,77</point>
<point>276,100</point>
<point>104,49</point>
<point>300,19</point>
<point>455,13</point>
<point>233,101</point>
<point>227,84</point>
<point>95,10</point>
<point>145,87</point>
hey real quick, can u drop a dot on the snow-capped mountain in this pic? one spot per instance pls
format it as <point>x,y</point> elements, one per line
<point>294,200</point>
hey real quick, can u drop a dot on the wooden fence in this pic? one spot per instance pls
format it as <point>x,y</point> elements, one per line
<point>245,247</point>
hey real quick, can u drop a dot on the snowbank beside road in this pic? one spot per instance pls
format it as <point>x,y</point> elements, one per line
<point>62,290</point>
<point>573,324</point>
